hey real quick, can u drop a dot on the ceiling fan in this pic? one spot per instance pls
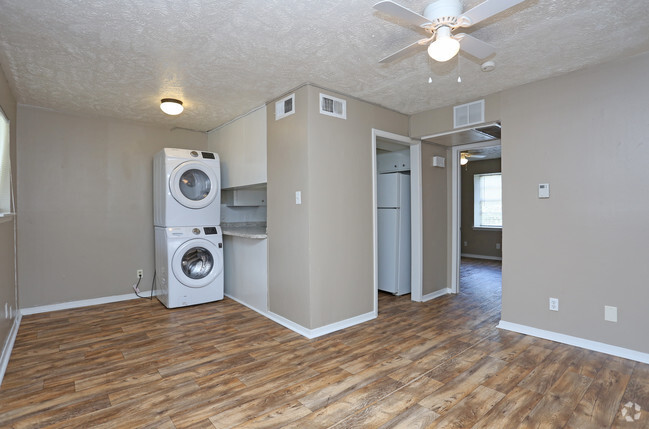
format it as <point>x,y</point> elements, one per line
<point>440,18</point>
<point>464,157</point>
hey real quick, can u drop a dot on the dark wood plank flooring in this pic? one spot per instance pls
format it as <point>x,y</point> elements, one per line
<point>440,364</point>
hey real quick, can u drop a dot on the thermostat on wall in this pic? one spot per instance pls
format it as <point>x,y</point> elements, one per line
<point>544,190</point>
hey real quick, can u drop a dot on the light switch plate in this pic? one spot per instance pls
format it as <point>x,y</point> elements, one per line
<point>298,197</point>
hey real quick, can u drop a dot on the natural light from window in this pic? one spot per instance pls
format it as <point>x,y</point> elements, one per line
<point>5,166</point>
<point>488,206</point>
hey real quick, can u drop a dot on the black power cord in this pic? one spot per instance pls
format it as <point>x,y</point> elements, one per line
<point>135,288</point>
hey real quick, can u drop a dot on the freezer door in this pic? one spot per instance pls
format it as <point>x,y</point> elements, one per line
<point>388,188</point>
<point>388,249</point>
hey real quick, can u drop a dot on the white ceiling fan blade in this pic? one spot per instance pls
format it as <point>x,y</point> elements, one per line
<point>473,46</point>
<point>485,10</point>
<point>398,11</point>
<point>403,52</point>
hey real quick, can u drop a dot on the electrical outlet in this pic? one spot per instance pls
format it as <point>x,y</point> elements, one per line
<point>554,304</point>
<point>466,244</point>
<point>497,246</point>
<point>140,274</point>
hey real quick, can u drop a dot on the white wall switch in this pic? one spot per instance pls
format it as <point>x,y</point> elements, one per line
<point>298,197</point>
<point>544,190</point>
<point>610,313</point>
<point>438,161</point>
<point>554,304</point>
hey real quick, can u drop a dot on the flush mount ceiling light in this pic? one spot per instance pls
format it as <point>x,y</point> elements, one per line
<point>171,106</point>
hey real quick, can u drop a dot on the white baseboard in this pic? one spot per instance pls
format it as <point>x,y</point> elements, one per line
<point>245,304</point>
<point>491,258</point>
<point>309,333</point>
<point>576,341</point>
<point>436,294</point>
<point>8,346</point>
<point>82,303</point>
<point>323,330</point>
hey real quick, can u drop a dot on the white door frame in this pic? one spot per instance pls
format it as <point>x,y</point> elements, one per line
<point>456,207</point>
<point>415,210</point>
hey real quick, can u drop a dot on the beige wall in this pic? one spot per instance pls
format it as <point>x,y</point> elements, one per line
<point>340,206</point>
<point>7,255</point>
<point>85,206</point>
<point>320,252</point>
<point>440,120</point>
<point>479,241</point>
<point>586,135</point>
<point>435,184</point>
<point>288,223</point>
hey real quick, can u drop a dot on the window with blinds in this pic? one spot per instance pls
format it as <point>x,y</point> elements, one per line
<point>487,205</point>
<point>5,166</point>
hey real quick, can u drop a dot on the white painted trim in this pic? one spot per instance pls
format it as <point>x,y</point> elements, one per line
<point>309,333</point>
<point>491,258</point>
<point>323,330</point>
<point>436,294</point>
<point>456,209</point>
<point>8,346</point>
<point>245,304</point>
<point>416,238</point>
<point>82,303</point>
<point>576,341</point>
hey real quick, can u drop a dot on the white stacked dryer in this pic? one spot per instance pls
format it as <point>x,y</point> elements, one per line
<point>188,240</point>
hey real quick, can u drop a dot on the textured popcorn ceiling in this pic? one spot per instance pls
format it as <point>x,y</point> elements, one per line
<point>118,58</point>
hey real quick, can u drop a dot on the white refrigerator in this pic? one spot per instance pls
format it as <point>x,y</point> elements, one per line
<point>393,217</point>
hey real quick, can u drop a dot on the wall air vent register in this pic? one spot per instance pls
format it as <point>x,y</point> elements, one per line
<point>468,114</point>
<point>285,107</point>
<point>333,106</point>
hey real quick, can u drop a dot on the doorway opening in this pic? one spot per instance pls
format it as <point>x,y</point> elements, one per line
<point>468,148</point>
<point>398,157</point>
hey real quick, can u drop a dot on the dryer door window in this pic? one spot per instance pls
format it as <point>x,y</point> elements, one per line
<point>197,262</point>
<point>193,184</point>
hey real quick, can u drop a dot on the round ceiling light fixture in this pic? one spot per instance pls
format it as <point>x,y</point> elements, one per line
<point>444,47</point>
<point>171,106</point>
<point>463,159</point>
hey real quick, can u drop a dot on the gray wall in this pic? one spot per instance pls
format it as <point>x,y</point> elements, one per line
<point>85,206</point>
<point>585,133</point>
<point>7,255</point>
<point>288,223</point>
<point>436,238</point>
<point>479,241</point>
<point>320,252</point>
<point>341,208</point>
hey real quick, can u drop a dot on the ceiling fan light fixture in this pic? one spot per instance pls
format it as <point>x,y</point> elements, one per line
<point>444,47</point>
<point>171,106</point>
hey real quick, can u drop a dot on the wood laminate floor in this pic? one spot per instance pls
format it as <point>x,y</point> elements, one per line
<point>439,364</point>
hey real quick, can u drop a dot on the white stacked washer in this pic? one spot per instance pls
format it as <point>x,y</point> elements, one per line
<point>188,240</point>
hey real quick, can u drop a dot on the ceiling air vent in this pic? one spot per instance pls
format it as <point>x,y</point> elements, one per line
<point>468,114</point>
<point>333,106</point>
<point>285,107</point>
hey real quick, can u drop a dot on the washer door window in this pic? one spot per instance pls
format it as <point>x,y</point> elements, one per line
<point>193,184</point>
<point>197,263</point>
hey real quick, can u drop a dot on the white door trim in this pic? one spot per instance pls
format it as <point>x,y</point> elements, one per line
<point>456,209</point>
<point>415,210</point>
